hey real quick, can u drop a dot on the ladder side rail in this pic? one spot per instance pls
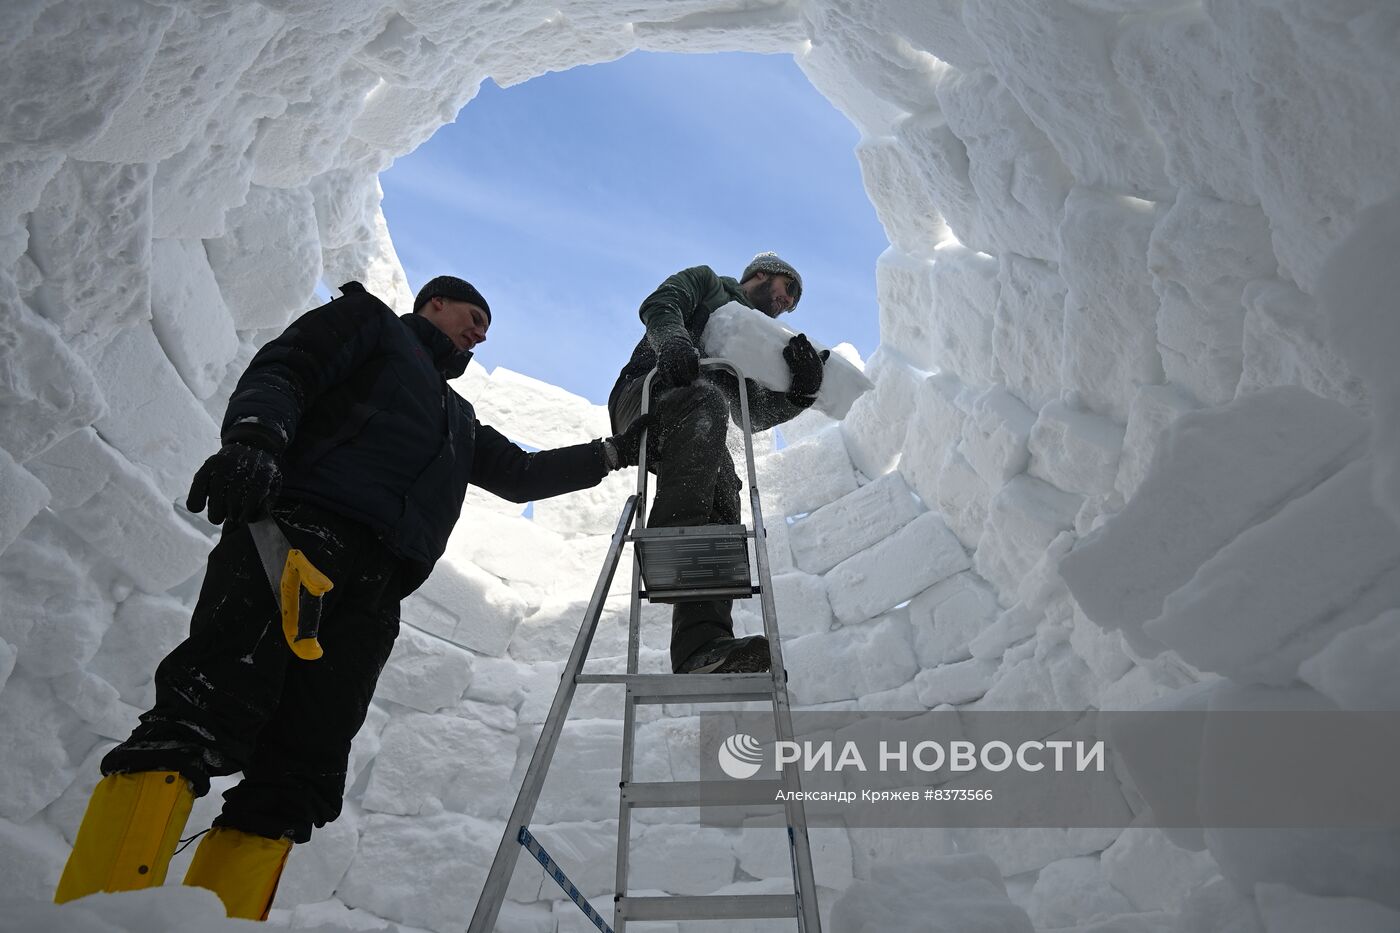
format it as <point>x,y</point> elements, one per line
<point>488,905</point>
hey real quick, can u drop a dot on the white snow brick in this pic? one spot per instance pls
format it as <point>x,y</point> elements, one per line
<point>1011,627</point>
<point>875,428</point>
<point>956,683</point>
<point>90,236</point>
<point>965,288</point>
<point>877,57</point>
<point>1177,67</point>
<point>1152,872</point>
<point>961,893</point>
<point>467,606</point>
<point>189,316</point>
<point>365,745</point>
<point>536,413</point>
<point>903,697</point>
<point>1285,910</point>
<point>268,261</point>
<point>1333,561</point>
<point>851,662</point>
<point>141,411</point>
<point>589,850</point>
<point>55,613</point>
<point>939,163</point>
<point>421,871</point>
<point>808,423</point>
<point>995,436</point>
<point>934,428</point>
<point>315,873</point>
<point>300,143</point>
<point>424,672</point>
<point>25,497</point>
<point>682,859</point>
<point>548,634</point>
<point>32,858</point>
<point>801,603</point>
<point>1028,332</point>
<point>1033,848</point>
<point>108,502</point>
<point>963,498</point>
<point>1153,409</point>
<point>948,615</point>
<point>1023,518</point>
<point>1008,155</point>
<point>1356,669</point>
<point>200,57</point>
<point>806,475</point>
<point>587,788</point>
<point>1072,891</point>
<point>8,653</point>
<point>777,535</point>
<point>754,342</point>
<point>1202,252</point>
<point>1053,59</point>
<point>35,769</point>
<point>96,704</point>
<point>1286,343</point>
<point>764,852</point>
<point>904,287</point>
<point>1215,473</point>
<point>854,522</point>
<point>1110,336</point>
<point>1074,450</point>
<point>22,183</point>
<point>914,223</point>
<point>829,69</point>
<point>593,511</point>
<point>515,549</point>
<point>428,763</point>
<point>902,565</point>
<point>1101,650</point>
<point>46,390</point>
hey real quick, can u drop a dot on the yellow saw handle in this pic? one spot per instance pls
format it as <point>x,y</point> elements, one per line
<point>299,573</point>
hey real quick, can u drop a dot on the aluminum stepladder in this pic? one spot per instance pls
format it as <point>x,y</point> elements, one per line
<point>698,562</point>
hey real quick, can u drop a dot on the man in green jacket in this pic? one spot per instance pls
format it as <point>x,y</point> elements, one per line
<point>696,482</point>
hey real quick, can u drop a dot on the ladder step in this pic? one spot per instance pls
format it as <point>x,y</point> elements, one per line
<point>679,562</point>
<point>689,688</point>
<point>712,907</point>
<point>698,593</point>
<point>701,793</point>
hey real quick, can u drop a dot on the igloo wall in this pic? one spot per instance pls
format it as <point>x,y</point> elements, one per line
<point>1104,216</point>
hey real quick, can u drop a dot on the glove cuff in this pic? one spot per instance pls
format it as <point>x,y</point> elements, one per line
<point>800,401</point>
<point>255,434</point>
<point>610,454</point>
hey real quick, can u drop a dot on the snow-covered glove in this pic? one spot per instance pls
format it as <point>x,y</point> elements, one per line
<point>677,361</point>
<point>627,446</point>
<point>806,365</point>
<point>235,483</point>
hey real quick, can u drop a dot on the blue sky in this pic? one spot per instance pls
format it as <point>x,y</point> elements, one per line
<point>567,199</point>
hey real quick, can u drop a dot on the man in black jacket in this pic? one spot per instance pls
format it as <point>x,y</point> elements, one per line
<point>696,483</point>
<point>345,432</point>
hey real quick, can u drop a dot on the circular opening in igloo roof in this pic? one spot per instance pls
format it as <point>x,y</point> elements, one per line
<point>567,199</point>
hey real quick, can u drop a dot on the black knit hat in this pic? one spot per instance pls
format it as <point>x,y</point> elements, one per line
<point>449,286</point>
<point>771,263</point>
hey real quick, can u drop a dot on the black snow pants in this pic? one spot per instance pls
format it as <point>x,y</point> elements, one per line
<point>232,696</point>
<point>695,485</point>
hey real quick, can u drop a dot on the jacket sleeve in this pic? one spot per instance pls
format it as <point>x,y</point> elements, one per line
<point>318,350</point>
<point>505,470</point>
<point>767,407</point>
<point>668,311</point>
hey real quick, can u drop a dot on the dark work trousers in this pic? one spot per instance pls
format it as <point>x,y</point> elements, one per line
<point>232,697</point>
<point>695,485</point>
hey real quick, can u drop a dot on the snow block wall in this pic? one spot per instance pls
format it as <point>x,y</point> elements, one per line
<point>1133,437</point>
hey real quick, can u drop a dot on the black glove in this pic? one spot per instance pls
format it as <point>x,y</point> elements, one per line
<point>628,444</point>
<point>677,361</point>
<point>236,483</point>
<point>806,365</point>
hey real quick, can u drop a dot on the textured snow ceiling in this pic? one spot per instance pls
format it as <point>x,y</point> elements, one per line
<point>1107,218</point>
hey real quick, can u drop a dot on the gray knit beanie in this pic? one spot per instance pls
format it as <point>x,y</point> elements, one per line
<point>770,262</point>
<point>451,287</point>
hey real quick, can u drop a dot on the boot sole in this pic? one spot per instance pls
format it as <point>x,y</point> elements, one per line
<point>751,658</point>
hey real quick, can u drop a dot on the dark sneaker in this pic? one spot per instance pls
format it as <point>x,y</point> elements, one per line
<point>729,656</point>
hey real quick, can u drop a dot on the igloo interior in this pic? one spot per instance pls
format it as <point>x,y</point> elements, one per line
<point>1133,437</point>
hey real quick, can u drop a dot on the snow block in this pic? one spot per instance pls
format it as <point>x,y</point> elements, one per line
<point>850,662</point>
<point>1286,343</point>
<point>548,634</point>
<point>934,428</point>
<point>682,859</point>
<point>877,58</point>
<point>315,873</point>
<point>35,769</point>
<point>1071,891</point>
<point>424,672</point>
<point>1022,519</point>
<point>956,683</point>
<point>1074,450</point>
<point>904,287</point>
<point>32,858</point>
<point>1028,331</point>
<point>592,511</point>
<point>764,852</point>
<point>1215,474</point>
<point>268,260</point>
<point>515,549</point>
<point>467,606</point>
<point>1110,336</point>
<point>899,567</point>
<point>801,604</point>
<point>939,163</point>
<point>1285,910</point>
<point>536,413</point>
<point>189,316</point>
<point>585,788</point>
<point>55,613</point>
<point>1153,873</point>
<point>965,289</point>
<point>852,523</point>
<point>25,497</point>
<point>913,224</point>
<point>805,476</point>
<point>108,502</point>
<point>1153,409</point>
<point>951,894</point>
<point>1011,627</point>
<point>963,498</point>
<point>948,615</point>
<point>427,763</point>
<point>995,436</point>
<point>1355,669</point>
<point>875,428</point>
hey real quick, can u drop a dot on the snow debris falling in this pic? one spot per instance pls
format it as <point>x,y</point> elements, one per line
<point>1132,438</point>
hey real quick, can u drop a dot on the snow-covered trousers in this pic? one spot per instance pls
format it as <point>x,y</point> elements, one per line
<point>233,697</point>
<point>695,485</point>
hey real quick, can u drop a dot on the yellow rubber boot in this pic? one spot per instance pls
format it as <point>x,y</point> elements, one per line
<point>242,868</point>
<point>128,834</point>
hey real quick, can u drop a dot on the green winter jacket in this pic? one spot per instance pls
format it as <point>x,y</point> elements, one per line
<point>683,303</point>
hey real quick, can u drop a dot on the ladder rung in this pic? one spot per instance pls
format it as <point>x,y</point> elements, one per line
<point>692,532</point>
<point>696,594</point>
<point>701,793</point>
<point>711,907</point>
<point>689,688</point>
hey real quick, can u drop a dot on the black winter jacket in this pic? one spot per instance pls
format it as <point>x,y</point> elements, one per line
<point>356,402</point>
